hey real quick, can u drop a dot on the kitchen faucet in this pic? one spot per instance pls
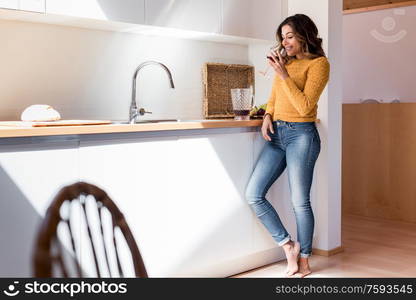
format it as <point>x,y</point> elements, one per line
<point>134,113</point>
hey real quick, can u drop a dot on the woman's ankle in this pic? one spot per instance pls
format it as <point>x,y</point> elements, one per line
<point>288,245</point>
<point>304,261</point>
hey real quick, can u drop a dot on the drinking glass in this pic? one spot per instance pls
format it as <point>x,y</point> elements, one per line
<point>266,72</point>
<point>242,103</point>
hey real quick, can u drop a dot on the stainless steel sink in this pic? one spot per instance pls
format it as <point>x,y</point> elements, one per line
<point>144,121</point>
<point>200,120</point>
<point>161,121</point>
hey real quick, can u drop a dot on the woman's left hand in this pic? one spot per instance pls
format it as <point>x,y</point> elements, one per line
<point>279,66</point>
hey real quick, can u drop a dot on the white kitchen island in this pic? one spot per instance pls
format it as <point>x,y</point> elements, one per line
<point>181,191</point>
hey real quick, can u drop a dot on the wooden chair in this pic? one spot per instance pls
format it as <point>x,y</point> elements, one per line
<point>50,255</point>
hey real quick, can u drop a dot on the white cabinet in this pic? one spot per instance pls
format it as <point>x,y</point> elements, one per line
<point>209,214</point>
<point>257,19</point>
<point>245,18</point>
<point>28,5</point>
<point>236,17</point>
<point>183,199</point>
<point>139,176</point>
<point>265,18</point>
<point>30,176</point>
<point>14,4</point>
<point>129,11</point>
<point>197,15</point>
<point>32,5</point>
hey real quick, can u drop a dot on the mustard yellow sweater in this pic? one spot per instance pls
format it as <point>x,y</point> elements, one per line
<point>295,98</point>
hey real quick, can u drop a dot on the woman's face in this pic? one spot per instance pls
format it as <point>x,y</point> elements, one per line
<point>290,42</point>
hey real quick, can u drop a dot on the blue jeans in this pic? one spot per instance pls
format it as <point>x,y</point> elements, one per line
<point>295,145</point>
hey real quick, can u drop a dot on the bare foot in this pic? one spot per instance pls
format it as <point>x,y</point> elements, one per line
<point>292,250</point>
<point>303,270</point>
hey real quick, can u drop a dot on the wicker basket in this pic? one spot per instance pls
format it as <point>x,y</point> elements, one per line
<point>219,79</point>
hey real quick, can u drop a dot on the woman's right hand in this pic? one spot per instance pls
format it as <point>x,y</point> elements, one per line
<point>267,126</point>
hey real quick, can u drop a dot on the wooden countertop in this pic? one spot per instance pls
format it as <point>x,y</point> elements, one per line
<point>8,131</point>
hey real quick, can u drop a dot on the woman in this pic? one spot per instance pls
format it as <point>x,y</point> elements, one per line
<point>292,138</point>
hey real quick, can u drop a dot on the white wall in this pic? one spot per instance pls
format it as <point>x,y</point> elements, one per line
<point>257,57</point>
<point>327,14</point>
<point>379,49</point>
<point>87,74</point>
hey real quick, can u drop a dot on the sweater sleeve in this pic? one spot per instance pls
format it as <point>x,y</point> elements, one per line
<point>272,98</point>
<point>317,78</point>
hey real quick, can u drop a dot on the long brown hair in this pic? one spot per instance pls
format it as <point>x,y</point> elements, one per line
<point>306,33</point>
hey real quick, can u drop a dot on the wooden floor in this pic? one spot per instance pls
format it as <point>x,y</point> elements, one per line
<point>372,248</point>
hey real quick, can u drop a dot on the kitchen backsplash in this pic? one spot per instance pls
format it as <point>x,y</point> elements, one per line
<point>87,74</point>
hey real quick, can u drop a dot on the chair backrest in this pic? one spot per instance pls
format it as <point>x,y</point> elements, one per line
<point>74,208</point>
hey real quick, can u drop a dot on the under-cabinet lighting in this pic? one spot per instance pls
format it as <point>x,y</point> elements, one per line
<point>169,32</point>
